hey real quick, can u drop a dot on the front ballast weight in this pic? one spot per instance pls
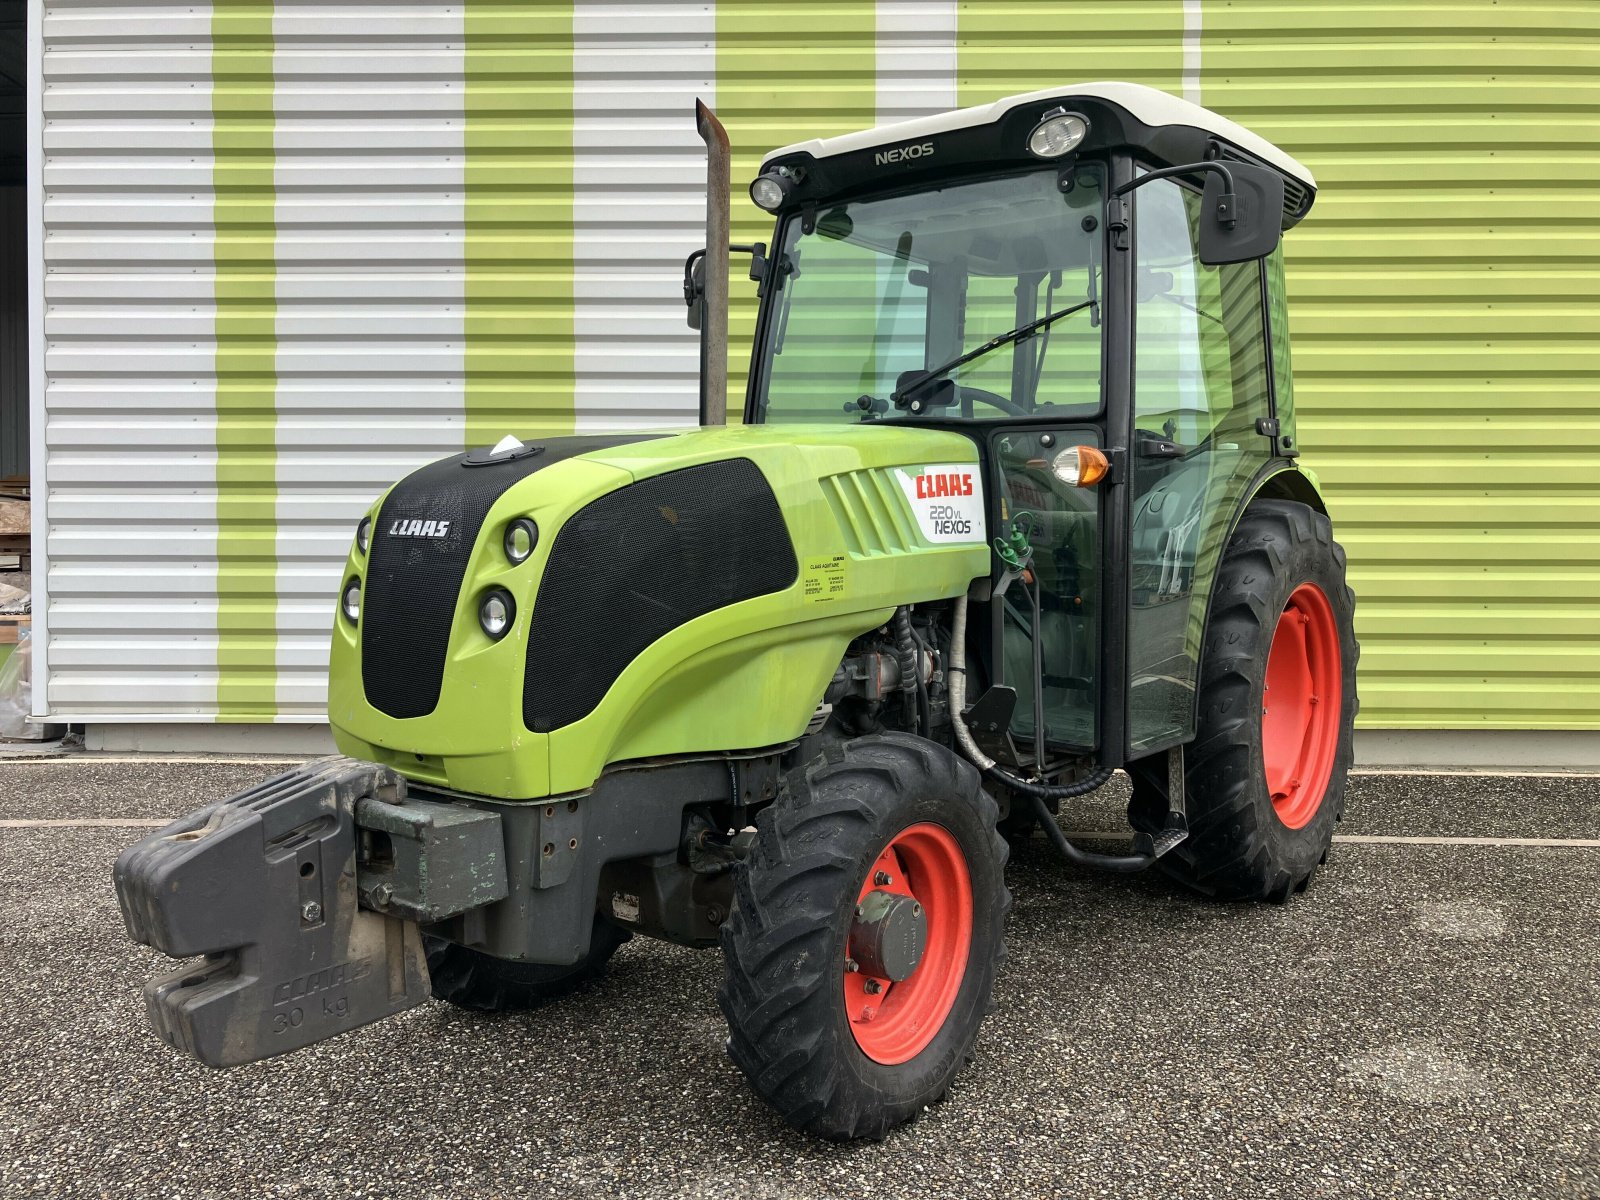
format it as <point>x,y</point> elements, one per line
<point>262,887</point>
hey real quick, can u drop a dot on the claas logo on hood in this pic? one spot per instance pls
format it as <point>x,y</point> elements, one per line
<point>419,528</point>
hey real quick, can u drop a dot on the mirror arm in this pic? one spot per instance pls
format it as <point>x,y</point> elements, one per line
<point>692,291</point>
<point>1227,206</point>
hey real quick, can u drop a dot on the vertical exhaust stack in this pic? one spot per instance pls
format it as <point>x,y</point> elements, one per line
<point>714,322</point>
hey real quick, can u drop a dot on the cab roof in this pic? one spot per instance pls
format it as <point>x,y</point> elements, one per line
<point>1165,128</point>
<point>1150,106</point>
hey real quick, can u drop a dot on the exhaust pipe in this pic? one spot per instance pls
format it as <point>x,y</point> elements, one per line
<point>714,321</point>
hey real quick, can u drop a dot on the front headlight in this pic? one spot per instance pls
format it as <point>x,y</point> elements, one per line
<point>350,601</point>
<point>1057,132</point>
<point>364,534</point>
<point>496,612</point>
<point>522,535</point>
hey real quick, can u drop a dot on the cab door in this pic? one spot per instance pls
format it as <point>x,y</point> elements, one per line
<point>1201,384</point>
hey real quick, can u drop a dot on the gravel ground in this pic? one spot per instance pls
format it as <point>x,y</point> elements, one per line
<point>1421,1023</point>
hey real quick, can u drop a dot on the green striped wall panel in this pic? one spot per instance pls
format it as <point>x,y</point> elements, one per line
<point>1444,314</point>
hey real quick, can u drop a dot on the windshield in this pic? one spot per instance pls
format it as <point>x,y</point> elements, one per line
<point>883,292</point>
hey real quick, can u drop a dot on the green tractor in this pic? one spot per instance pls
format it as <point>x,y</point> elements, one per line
<point>1014,504</point>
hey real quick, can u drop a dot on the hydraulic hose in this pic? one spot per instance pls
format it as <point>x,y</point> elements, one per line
<point>910,660</point>
<point>969,747</point>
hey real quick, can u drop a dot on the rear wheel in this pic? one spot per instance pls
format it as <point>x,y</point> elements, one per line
<point>471,979</point>
<point>865,935</point>
<point>1277,703</point>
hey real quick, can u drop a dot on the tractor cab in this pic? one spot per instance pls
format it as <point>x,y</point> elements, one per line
<point>1087,282</point>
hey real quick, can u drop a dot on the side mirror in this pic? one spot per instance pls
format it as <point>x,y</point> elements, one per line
<point>694,278</point>
<point>1246,224</point>
<point>1241,209</point>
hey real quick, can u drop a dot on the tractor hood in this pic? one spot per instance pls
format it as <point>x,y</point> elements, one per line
<point>684,592</point>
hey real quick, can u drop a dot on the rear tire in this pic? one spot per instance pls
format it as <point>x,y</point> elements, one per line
<point>1266,771</point>
<point>896,815</point>
<point>471,979</point>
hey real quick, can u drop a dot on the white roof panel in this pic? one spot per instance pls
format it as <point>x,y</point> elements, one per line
<point>1147,104</point>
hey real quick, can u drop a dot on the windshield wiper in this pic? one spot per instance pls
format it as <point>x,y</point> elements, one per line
<point>902,394</point>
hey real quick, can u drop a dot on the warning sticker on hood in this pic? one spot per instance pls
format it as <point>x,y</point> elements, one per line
<point>947,501</point>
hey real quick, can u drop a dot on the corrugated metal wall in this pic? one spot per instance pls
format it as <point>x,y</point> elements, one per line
<point>1444,309</point>
<point>295,249</point>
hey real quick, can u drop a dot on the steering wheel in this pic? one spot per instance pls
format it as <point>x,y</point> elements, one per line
<point>966,394</point>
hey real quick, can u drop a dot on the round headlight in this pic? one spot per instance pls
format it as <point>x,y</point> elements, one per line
<point>1057,133</point>
<point>770,191</point>
<point>364,534</point>
<point>496,611</point>
<point>350,601</point>
<point>522,535</point>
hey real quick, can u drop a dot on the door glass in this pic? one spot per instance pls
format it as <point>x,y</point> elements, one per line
<point>1063,526</point>
<point>1200,372</point>
<point>1282,368</point>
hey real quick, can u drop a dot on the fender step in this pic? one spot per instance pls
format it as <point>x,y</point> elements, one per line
<point>263,885</point>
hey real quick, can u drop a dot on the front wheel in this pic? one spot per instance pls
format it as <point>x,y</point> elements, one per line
<point>472,979</point>
<point>1277,703</point>
<point>865,935</point>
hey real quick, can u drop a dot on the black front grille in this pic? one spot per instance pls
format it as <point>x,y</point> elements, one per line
<point>636,564</point>
<point>409,596</point>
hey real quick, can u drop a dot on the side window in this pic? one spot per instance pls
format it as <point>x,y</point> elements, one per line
<point>1200,384</point>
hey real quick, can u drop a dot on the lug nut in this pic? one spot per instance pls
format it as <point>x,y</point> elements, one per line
<point>851,966</point>
<point>882,879</point>
<point>311,912</point>
<point>873,987</point>
<point>869,1012</point>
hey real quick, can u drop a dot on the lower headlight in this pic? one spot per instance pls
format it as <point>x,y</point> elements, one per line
<point>350,601</point>
<point>496,612</point>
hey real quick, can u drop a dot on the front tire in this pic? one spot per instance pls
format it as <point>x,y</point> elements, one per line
<point>1267,768</point>
<point>888,823</point>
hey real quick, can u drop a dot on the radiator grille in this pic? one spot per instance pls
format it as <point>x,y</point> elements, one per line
<point>636,564</point>
<point>409,596</point>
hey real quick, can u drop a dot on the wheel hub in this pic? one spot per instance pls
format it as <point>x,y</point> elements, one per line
<point>1300,709</point>
<point>888,936</point>
<point>906,952</point>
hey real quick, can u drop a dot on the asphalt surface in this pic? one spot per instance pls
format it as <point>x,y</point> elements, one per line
<point>1424,1022</point>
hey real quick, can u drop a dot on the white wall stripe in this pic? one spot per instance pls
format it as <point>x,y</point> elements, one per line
<point>124,421</point>
<point>370,177</point>
<point>916,58</point>
<point>1191,50</point>
<point>638,206</point>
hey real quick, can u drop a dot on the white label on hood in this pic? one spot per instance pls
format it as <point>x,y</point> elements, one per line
<point>947,501</point>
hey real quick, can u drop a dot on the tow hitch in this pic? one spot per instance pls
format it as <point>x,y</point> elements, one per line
<point>263,885</point>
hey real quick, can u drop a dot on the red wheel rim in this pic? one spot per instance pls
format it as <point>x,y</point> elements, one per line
<point>895,1022</point>
<point>1300,707</point>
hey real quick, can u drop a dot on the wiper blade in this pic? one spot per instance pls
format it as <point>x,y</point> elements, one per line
<point>900,395</point>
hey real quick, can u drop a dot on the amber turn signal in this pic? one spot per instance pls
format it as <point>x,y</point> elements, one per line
<point>1081,466</point>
